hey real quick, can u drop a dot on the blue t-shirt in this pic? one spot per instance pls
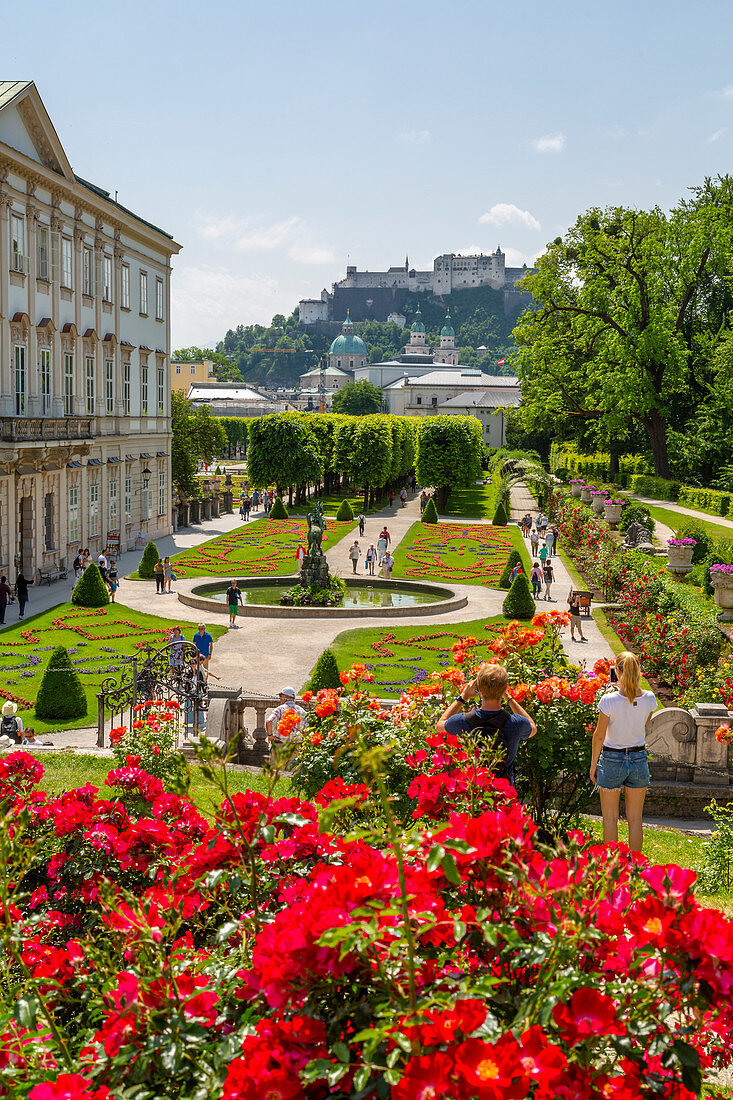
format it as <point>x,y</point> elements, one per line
<point>516,728</point>
<point>203,642</point>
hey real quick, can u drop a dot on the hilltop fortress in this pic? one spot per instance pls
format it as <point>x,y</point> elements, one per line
<point>376,295</point>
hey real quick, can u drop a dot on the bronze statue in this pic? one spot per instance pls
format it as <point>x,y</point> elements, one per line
<point>316,527</point>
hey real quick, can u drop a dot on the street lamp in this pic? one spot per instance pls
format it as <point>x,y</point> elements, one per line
<point>146,477</point>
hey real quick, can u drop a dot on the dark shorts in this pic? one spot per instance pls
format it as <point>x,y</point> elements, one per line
<point>620,769</point>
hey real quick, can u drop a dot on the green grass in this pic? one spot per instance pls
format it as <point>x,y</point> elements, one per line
<point>66,771</point>
<point>260,546</point>
<point>433,552</point>
<point>477,502</point>
<point>332,502</point>
<point>673,519</point>
<point>400,655</point>
<point>95,637</point>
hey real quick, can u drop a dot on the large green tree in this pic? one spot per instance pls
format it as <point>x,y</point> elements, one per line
<point>630,306</point>
<point>449,452</point>
<point>197,437</point>
<point>357,399</point>
<point>283,452</point>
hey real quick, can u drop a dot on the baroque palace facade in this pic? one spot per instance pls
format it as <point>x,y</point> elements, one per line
<point>85,437</point>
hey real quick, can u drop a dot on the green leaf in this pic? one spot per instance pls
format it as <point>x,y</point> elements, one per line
<point>435,857</point>
<point>227,931</point>
<point>26,1011</point>
<point>342,1052</point>
<point>450,870</point>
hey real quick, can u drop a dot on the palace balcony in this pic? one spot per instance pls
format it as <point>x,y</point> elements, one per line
<point>42,429</point>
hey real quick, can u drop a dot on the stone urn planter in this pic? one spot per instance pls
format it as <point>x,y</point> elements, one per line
<point>576,488</point>
<point>585,491</point>
<point>612,512</point>
<point>679,559</point>
<point>597,500</point>
<point>722,583</point>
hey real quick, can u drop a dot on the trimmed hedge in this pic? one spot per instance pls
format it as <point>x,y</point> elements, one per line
<point>514,558</point>
<point>657,487</point>
<point>90,590</point>
<point>499,519</point>
<point>61,694</point>
<point>345,512</point>
<point>566,456</point>
<point>325,672</point>
<point>430,512</point>
<point>519,603</point>
<point>279,511</point>
<point>706,500</point>
<point>148,562</point>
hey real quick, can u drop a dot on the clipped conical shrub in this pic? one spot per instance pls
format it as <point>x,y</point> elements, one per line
<point>511,561</point>
<point>149,560</point>
<point>90,590</point>
<point>345,512</point>
<point>61,694</point>
<point>499,519</point>
<point>519,603</point>
<point>325,672</point>
<point>430,512</point>
<point>278,510</point>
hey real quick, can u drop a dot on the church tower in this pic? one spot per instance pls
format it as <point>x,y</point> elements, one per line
<point>418,349</point>
<point>447,352</point>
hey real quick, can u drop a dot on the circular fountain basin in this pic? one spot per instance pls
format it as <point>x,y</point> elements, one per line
<point>365,597</point>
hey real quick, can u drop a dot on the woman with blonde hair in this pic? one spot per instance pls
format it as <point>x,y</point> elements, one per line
<point>619,757</point>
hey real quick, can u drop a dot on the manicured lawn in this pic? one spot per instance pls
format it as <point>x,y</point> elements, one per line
<point>65,771</point>
<point>673,519</point>
<point>260,546</point>
<point>332,503</point>
<point>96,638</point>
<point>402,655</point>
<point>478,502</point>
<point>465,554</point>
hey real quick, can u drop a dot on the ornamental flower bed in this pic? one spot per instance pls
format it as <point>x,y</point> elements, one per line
<point>262,546</point>
<point>276,953</point>
<point>474,554</point>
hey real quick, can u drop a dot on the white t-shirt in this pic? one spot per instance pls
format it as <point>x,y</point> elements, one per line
<point>626,723</point>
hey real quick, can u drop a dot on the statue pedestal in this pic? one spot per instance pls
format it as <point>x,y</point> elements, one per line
<point>314,570</point>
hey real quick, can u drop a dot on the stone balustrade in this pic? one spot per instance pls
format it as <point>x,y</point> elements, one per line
<point>30,429</point>
<point>683,747</point>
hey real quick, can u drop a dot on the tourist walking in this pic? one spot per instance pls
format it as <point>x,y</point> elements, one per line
<point>515,573</point>
<point>287,702</point>
<point>495,726</point>
<point>387,566</point>
<point>534,540</point>
<point>6,596</point>
<point>176,648</point>
<point>77,566</point>
<point>423,500</point>
<point>381,547</point>
<point>299,555</point>
<point>371,558</point>
<point>574,609</point>
<point>354,554</point>
<point>21,592</point>
<point>241,507</point>
<point>536,578</point>
<point>413,483</point>
<point>255,499</point>
<point>403,496</point>
<point>103,565</point>
<point>234,600</point>
<point>619,755</point>
<point>247,508</point>
<point>384,534</point>
<point>391,497</point>
<point>113,582</point>
<point>11,726</point>
<point>548,576</point>
<point>159,576</point>
<point>543,553</point>
<point>168,574</point>
<point>204,644</point>
<point>549,542</point>
<point>361,520</point>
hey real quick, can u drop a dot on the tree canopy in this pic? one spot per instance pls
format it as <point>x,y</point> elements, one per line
<point>449,452</point>
<point>357,399</point>
<point>631,305</point>
<point>197,437</point>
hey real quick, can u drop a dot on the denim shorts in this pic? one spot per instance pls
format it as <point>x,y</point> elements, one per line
<point>620,769</point>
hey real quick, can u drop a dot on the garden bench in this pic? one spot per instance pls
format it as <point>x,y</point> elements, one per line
<point>51,573</point>
<point>584,599</point>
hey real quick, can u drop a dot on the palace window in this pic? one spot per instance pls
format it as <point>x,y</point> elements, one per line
<point>144,292</point>
<point>109,386</point>
<point>178,370</point>
<point>68,384</point>
<point>44,369</point>
<point>125,286</point>
<point>73,513</point>
<point>107,267</point>
<point>159,299</point>
<point>89,272</point>
<point>128,500</point>
<point>19,357</point>
<point>48,521</point>
<point>67,264</point>
<point>144,389</point>
<point>93,509</point>
<point>161,391</point>
<point>126,389</point>
<point>193,369</point>
<point>42,259</point>
<point>112,492</point>
<point>17,244</point>
<point>89,385</point>
<point>161,493</point>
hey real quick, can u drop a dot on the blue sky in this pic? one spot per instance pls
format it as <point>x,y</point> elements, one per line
<point>274,141</point>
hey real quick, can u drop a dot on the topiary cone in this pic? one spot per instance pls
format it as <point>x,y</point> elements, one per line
<point>519,603</point>
<point>430,512</point>
<point>278,510</point>
<point>514,558</point>
<point>90,590</point>
<point>149,560</point>
<point>61,694</point>
<point>325,672</point>
<point>499,519</point>
<point>345,512</point>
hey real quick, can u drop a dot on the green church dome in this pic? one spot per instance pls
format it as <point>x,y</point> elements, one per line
<point>347,343</point>
<point>447,329</point>
<point>417,325</point>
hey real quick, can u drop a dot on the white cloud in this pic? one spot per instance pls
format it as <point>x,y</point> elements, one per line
<point>206,301</point>
<point>415,137</point>
<point>515,258</point>
<point>242,234</point>
<point>506,213</point>
<point>716,136</point>
<point>304,253</point>
<point>727,92</point>
<point>550,143</point>
<point>616,132</point>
